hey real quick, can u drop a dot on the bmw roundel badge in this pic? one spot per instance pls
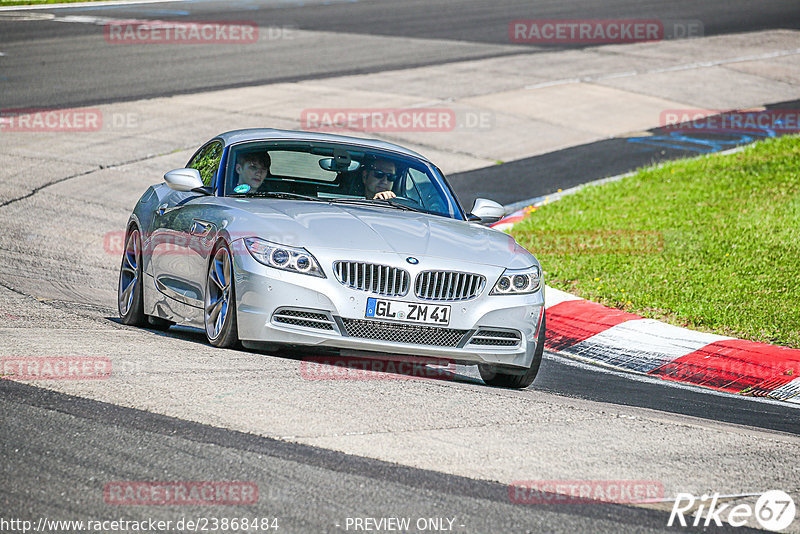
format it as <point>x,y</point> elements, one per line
<point>412,260</point>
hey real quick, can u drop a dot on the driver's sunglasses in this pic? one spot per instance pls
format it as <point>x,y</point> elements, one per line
<point>383,174</point>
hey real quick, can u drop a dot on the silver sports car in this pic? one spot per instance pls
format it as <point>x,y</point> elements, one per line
<point>274,238</point>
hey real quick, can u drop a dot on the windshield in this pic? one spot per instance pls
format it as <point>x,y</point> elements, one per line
<point>337,173</point>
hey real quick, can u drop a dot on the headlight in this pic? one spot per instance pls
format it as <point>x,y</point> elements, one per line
<point>518,282</point>
<point>297,260</point>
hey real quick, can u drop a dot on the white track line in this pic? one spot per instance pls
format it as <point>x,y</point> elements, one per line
<point>85,4</point>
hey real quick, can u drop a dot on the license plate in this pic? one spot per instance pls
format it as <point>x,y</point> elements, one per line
<point>409,312</point>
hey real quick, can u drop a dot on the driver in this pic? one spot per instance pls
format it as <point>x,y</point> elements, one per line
<point>378,178</point>
<point>253,168</point>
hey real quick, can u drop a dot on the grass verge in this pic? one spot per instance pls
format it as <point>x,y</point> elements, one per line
<point>711,243</point>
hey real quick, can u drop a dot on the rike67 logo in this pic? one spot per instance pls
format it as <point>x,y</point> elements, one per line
<point>774,510</point>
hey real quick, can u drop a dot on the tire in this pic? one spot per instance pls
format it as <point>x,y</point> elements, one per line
<point>492,377</point>
<point>129,290</point>
<point>219,304</point>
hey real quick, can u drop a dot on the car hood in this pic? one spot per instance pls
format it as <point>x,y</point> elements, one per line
<point>354,227</point>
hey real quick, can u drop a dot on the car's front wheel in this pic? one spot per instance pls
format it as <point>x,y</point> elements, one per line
<point>220,300</point>
<point>493,377</point>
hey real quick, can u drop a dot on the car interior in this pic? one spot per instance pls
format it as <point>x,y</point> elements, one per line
<point>336,173</point>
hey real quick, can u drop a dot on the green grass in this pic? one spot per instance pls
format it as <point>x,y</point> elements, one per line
<point>711,243</point>
<point>38,2</point>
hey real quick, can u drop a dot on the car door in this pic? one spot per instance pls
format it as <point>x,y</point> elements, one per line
<point>183,236</point>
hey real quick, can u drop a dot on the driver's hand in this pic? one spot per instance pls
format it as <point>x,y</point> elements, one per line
<point>385,195</point>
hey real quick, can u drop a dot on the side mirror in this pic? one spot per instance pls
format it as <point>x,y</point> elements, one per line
<point>486,211</point>
<point>184,180</point>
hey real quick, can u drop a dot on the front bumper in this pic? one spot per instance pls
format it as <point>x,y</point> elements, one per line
<point>311,311</point>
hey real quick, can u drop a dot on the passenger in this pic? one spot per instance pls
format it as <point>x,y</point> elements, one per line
<point>378,177</point>
<point>252,169</point>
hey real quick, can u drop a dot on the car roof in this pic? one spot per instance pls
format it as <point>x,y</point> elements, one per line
<point>261,134</point>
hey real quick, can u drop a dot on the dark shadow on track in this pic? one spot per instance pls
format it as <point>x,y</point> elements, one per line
<point>89,443</point>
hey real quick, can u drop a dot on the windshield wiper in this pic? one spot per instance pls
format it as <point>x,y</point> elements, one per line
<point>277,194</point>
<point>396,204</point>
<point>385,202</point>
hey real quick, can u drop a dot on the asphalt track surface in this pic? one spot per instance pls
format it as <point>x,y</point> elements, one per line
<point>308,489</point>
<point>57,64</point>
<point>65,444</point>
